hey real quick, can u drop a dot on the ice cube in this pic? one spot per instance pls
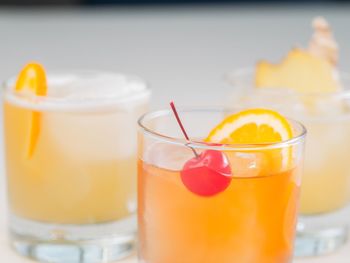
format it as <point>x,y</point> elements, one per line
<point>92,136</point>
<point>166,155</point>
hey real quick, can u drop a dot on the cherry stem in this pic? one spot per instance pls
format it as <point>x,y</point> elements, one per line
<point>172,105</point>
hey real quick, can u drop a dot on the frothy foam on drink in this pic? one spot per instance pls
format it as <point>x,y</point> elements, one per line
<point>83,91</point>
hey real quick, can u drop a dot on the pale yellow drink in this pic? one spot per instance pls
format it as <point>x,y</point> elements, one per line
<point>54,186</point>
<point>326,180</point>
<point>78,182</point>
<point>308,85</point>
<point>83,168</point>
<point>325,190</point>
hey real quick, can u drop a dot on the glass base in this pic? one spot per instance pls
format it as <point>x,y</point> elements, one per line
<point>324,242</point>
<point>103,242</point>
<point>321,234</point>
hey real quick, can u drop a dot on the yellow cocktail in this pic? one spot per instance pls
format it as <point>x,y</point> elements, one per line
<point>325,189</point>
<point>308,86</point>
<point>71,157</point>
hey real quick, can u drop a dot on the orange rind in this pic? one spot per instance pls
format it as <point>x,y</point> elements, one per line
<point>32,78</point>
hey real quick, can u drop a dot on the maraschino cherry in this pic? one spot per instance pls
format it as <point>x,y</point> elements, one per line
<point>206,174</point>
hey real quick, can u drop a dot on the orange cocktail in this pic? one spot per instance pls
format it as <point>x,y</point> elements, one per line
<point>251,219</point>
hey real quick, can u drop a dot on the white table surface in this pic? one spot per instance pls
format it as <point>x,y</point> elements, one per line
<point>182,52</point>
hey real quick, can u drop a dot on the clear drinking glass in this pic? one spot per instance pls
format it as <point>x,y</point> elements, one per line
<point>73,199</point>
<point>325,194</point>
<point>252,220</point>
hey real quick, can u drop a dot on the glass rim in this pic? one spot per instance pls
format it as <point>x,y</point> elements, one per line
<point>7,88</point>
<point>296,139</point>
<point>234,75</point>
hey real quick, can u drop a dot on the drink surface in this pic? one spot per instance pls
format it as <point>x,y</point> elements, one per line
<point>253,220</point>
<point>83,169</point>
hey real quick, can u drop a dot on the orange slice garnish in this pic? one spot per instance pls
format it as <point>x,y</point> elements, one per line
<point>32,78</point>
<point>255,126</point>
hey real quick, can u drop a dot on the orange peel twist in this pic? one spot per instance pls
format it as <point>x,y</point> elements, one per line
<point>33,78</point>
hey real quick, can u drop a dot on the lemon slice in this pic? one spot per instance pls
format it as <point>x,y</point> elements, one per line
<point>32,78</point>
<point>257,126</point>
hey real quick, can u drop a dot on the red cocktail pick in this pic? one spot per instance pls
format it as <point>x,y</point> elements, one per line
<point>206,174</point>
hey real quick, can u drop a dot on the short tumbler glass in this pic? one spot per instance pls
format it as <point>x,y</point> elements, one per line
<point>325,194</point>
<point>73,199</point>
<point>252,220</point>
